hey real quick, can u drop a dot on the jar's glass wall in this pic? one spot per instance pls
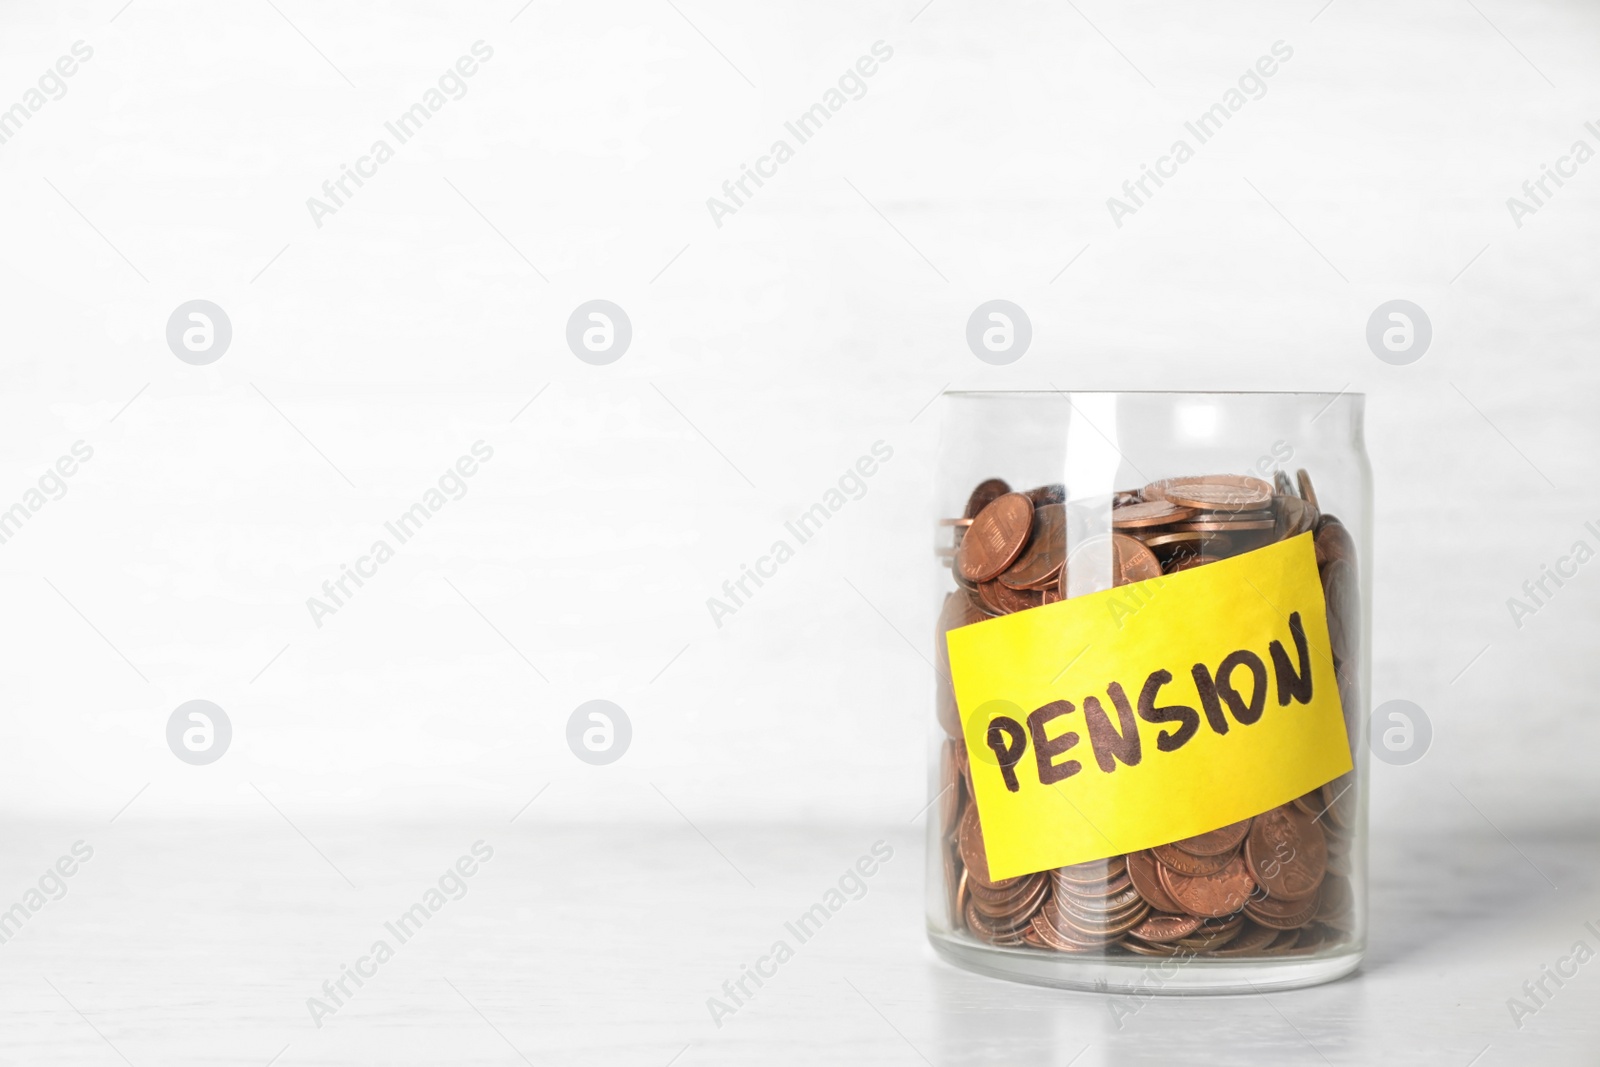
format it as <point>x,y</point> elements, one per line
<point>1083,458</point>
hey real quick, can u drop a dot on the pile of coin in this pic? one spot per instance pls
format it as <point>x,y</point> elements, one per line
<point>1275,884</point>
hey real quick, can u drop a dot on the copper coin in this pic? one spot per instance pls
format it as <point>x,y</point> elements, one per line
<point>1311,803</point>
<point>1215,842</point>
<point>981,927</point>
<point>986,493</point>
<point>1180,862</point>
<point>1149,513</point>
<point>1018,910</point>
<point>1003,600</point>
<point>1143,948</point>
<point>1286,853</point>
<point>1155,542</point>
<point>1282,485</point>
<point>1283,943</point>
<point>1052,939</point>
<point>1106,905</point>
<point>1046,550</point>
<point>1108,930</point>
<point>959,610</point>
<point>1189,560</point>
<point>1106,923</point>
<point>1334,542</point>
<point>955,884</point>
<point>1221,496</point>
<point>1277,914</point>
<point>1213,934</point>
<point>1210,525</point>
<point>1135,563</point>
<point>995,538</point>
<point>1229,518</point>
<point>1097,891</point>
<point>1339,802</point>
<point>1210,895</point>
<point>1344,608</point>
<point>1309,940</point>
<point>950,786</point>
<point>1158,927</point>
<point>973,856</point>
<point>1100,562</point>
<point>1142,870</point>
<point>1158,490</point>
<point>1250,940</point>
<point>1337,900</point>
<point>1277,910</point>
<point>1047,494</point>
<point>1093,871</point>
<point>1293,518</point>
<point>1308,494</point>
<point>944,707</point>
<point>1005,895</point>
<point>1058,935</point>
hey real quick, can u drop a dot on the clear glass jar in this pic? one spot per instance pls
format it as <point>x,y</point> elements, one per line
<point>1082,460</point>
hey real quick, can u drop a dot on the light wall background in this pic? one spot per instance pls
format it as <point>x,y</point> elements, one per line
<point>768,354</point>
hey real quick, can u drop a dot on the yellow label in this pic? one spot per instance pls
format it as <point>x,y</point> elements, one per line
<point>1151,712</point>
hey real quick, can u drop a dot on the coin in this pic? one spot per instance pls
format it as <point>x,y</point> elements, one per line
<point>959,610</point>
<point>1003,600</point>
<point>1149,513</point>
<point>1214,525</point>
<point>1215,842</point>
<point>1181,862</point>
<point>1333,542</point>
<point>1097,890</point>
<point>973,856</point>
<point>995,537</point>
<point>1167,538</point>
<point>1046,551</point>
<point>1041,928</point>
<point>1214,933</point>
<point>1283,943</point>
<point>1253,938</point>
<point>1047,494</point>
<point>1159,490</point>
<point>1286,853</point>
<point>1339,802</point>
<point>1106,905</point>
<point>1308,494</point>
<point>1157,926</point>
<point>986,493</point>
<point>950,786</point>
<point>1135,563</point>
<point>1093,871</point>
<point>1337,900</point>
<point>1015,909</point>
<point>1283,914</point>
<point>1344,608</point>
<point>1188,561</point>
<point>1210,895</point>
<point>1111,928</point>
<point>1221,496</point>
<point>1142,870</point>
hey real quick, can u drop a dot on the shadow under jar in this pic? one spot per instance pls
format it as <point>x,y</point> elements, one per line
<point>1045,497</point>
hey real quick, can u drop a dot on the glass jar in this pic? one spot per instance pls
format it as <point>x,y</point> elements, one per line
<point>1216,846</point>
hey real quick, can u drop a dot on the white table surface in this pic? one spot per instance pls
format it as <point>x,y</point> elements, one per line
<point>200,944</point>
